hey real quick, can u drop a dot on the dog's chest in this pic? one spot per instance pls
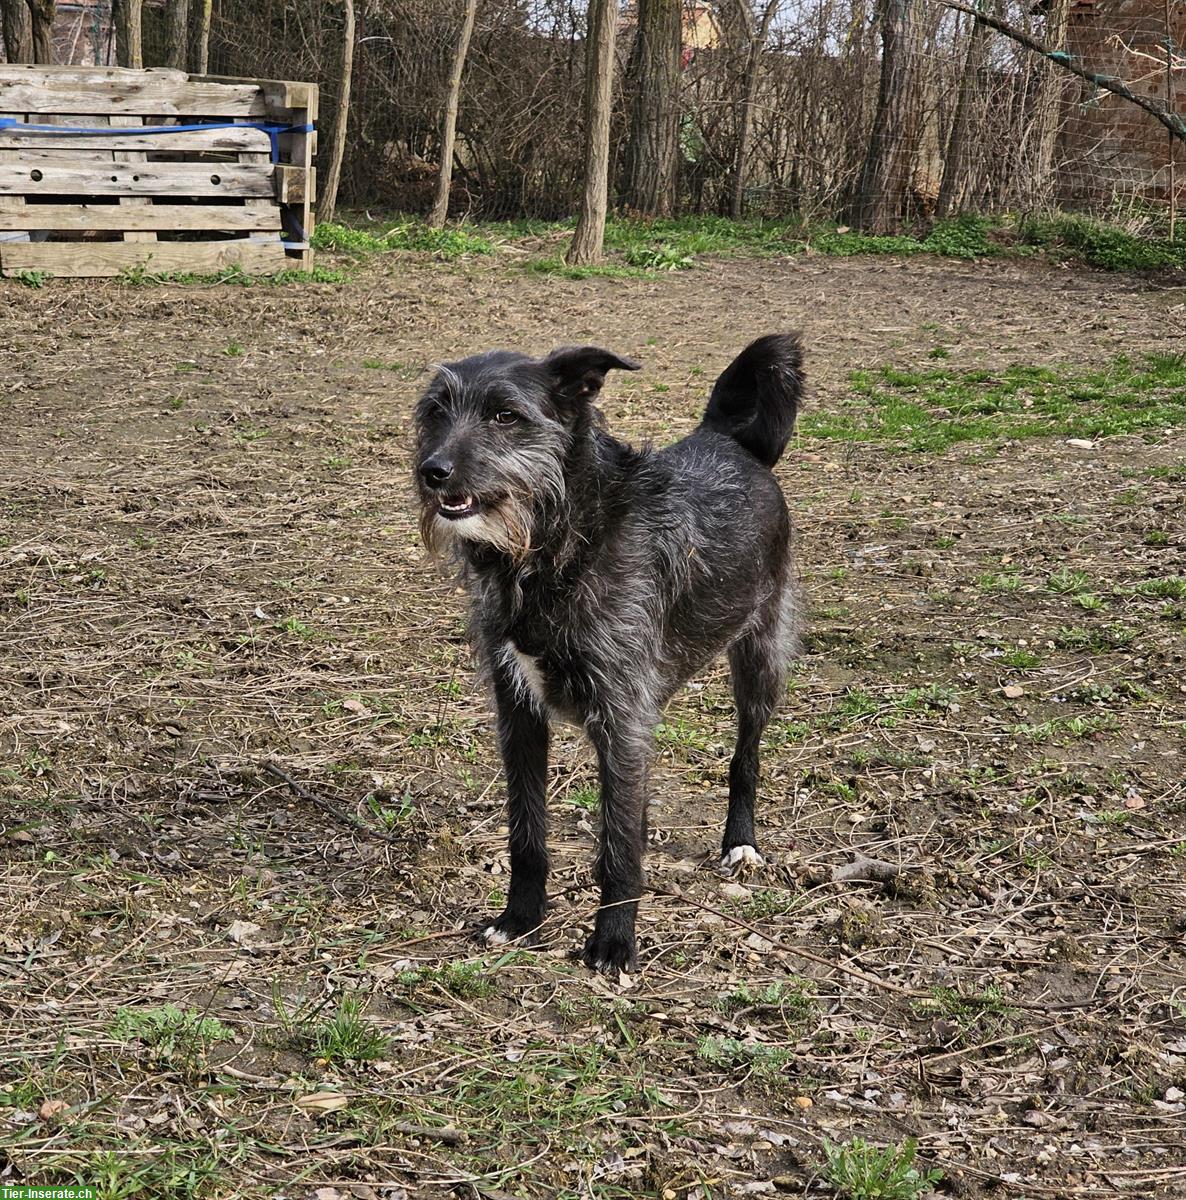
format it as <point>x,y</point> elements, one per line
<point>532,672</point>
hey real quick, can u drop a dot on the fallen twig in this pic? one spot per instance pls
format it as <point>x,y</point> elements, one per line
<point>326,806</point>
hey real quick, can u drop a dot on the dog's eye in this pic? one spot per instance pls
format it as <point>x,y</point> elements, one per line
<point>504,416</point>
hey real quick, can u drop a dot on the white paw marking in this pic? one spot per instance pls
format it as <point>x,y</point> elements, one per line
<point>742,858</point>
<point>494,937</point>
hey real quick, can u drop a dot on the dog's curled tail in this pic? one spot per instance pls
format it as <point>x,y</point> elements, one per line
<point>756,399</point>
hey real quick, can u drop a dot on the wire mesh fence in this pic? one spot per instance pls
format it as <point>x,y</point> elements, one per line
<point>889,113</point>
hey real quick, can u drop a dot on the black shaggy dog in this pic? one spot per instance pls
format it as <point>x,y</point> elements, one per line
<point>602,577</point>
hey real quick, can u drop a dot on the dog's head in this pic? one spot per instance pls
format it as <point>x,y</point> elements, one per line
<point>493,436</point>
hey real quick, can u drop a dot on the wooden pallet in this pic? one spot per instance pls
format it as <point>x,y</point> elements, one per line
<point>196,202</point>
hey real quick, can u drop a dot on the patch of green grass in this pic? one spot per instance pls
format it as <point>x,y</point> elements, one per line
<point>296,627</point>
<point>32,279</point>
<point>676,732</point>
<point>1171,587</point>
<point>390,812</point>
<point>1100,245</point>
<point>346,1036</point>
<point>965,236</point>
<point>663,257</point>
<point>171,1034</point>
<point>1069,583</point>
<point>234,350</point>
<point>1021,658</point>
<point>933,409</point>
<point>405,234</point>
<point>860,1171</point>
<point>141,276</point>
<point>585,797</point>
<point>850,242</point>
<point>1071,727</point>
<point>763,1059</point>
<point>1094,641</point>
<point>465,980</point>
<point>766,903</point>
<point>169,1171</point>
<point>561,269</point>
<point>935,697</point>
<point>999,581</point>
<point>794,1000</point>
<point>561,1098</point>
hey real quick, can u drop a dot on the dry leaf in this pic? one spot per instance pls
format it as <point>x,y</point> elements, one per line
<point>322,1102</point>
<point>242,932</point>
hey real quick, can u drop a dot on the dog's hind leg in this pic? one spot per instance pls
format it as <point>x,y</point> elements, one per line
<point>624,750</point>
<point>523,740</point>
<point>757,664</point>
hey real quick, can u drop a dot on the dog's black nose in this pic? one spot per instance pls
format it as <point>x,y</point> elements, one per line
<point>436,471</point>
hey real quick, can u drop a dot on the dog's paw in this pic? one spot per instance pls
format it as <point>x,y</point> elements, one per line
<point>741,860</point>
<point>611,953</point>
<point>510,927</point>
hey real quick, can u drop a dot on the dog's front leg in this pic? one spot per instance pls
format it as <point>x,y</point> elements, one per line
<point>523,740</point>
<point>623,758</point>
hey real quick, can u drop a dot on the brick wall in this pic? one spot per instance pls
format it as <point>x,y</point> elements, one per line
<point>1109,147</point>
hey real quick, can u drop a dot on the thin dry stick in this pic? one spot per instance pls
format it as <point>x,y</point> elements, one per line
<point>843,968</point>
<point>334,811</point>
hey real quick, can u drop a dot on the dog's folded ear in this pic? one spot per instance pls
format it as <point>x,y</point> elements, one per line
<point>579,371</point>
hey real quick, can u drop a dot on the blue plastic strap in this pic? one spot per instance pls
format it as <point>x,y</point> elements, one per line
<point>12,125</point>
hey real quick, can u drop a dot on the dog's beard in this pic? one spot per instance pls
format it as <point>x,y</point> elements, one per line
<point>504,524</point>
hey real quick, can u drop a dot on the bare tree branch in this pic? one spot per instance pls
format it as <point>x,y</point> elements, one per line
<point>1109,83</point>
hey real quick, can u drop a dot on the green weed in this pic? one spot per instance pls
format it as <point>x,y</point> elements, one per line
<point>765,1060</point>
<point>860,1171</point>
<point>171,1034</point>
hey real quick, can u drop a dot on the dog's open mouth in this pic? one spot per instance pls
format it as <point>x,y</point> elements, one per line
<point>454,508</point>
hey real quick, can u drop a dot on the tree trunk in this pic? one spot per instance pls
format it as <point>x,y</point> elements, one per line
<point>589,237</point>
<point>653,149</point>
<point>129,40</point>
<point>41,14</point>
<point>440,204</point>
<point>328,201</point>
<point>200,59</point>
<point>757,43</point>
<point>1049,105</point>
<point>880,197</point>
<point>954,157</point>
<point>176,33</point>
<point>18,31</point>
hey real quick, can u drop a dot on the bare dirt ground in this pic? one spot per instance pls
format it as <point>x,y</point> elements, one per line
<point>208,562</point>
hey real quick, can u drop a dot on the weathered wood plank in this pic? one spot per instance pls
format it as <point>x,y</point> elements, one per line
<point>38,73</point>
<point>280,93</point>
<point>295,185</point>
<point>228,141</point>
<point>117,217</point>
<point>78,260</point>
<point>297,150</point>
<point>136,179</point>
<point>148,96</point>
<point>131,234</point>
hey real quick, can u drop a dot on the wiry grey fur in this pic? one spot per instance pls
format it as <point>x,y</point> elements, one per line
<point>603,577</point>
